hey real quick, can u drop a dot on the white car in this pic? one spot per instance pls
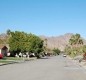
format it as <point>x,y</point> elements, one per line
<point>64,55</point>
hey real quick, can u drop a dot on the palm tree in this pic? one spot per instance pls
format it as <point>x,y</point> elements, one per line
<point>81,41</point>
<point>71,41</point>
<point>75,45</point>
<point>8,32</point>
<point>76,40</point>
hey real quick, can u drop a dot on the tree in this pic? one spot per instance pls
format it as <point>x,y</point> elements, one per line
<point>18,41</point>
<point>75,40</point>
<point>23,42</point>
<point>8,32</point>
<point>56,51</point>
<point>67,50</point>
<point>36,44</point>
<point>75,45</point>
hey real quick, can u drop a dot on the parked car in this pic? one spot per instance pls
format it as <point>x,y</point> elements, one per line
<point>64,55</point>
<point>1,56</point>
<point>31,55</point>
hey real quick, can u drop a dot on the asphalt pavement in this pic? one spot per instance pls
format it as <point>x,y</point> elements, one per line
<point>52,68</point>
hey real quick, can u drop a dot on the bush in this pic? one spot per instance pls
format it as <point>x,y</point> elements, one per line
<point>1,56</point>
<point>56,51</point>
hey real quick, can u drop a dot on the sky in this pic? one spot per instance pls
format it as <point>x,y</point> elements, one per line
<point>43,17</point>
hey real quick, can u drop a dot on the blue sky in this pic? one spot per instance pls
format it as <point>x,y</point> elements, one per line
<point>44,17</point>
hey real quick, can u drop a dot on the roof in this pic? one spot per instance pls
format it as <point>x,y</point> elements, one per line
<point>2,45</point>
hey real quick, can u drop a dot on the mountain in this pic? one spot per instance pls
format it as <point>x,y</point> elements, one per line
<point>52,42</point>
<point>3,38</point>
<point>57,42</point>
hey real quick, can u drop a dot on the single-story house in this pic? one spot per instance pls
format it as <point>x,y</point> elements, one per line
<point>4,48</point>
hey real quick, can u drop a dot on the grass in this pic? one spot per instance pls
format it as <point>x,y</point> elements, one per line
<point>6,60</point>
<point>12,58</point>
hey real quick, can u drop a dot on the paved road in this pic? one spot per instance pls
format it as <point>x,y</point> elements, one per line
<point>54,68</point>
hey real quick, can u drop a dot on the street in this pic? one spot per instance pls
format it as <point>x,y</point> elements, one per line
<point>53,68</point>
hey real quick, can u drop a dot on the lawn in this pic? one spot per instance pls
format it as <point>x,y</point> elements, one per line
<point>12,58</point>
<point>6,60</point>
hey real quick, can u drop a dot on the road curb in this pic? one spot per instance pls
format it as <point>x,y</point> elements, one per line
<point>7,63</point>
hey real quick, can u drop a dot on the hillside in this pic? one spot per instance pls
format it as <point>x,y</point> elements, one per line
<point>58,41</point>
<point>3,38</point>
<point>52,42</point>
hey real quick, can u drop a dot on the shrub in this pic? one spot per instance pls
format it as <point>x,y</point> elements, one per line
<point>56,51</point>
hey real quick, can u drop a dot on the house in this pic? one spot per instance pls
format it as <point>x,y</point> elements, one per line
<point>4,48</point>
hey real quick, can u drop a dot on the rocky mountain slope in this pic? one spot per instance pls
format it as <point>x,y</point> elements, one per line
<point>3,38</point>
<point>58,41</point>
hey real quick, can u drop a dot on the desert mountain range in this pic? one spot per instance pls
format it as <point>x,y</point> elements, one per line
<point>52,42</point>
<point>57,41</point>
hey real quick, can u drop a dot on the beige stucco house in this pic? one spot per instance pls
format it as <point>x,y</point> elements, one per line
<point>4,48</point>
